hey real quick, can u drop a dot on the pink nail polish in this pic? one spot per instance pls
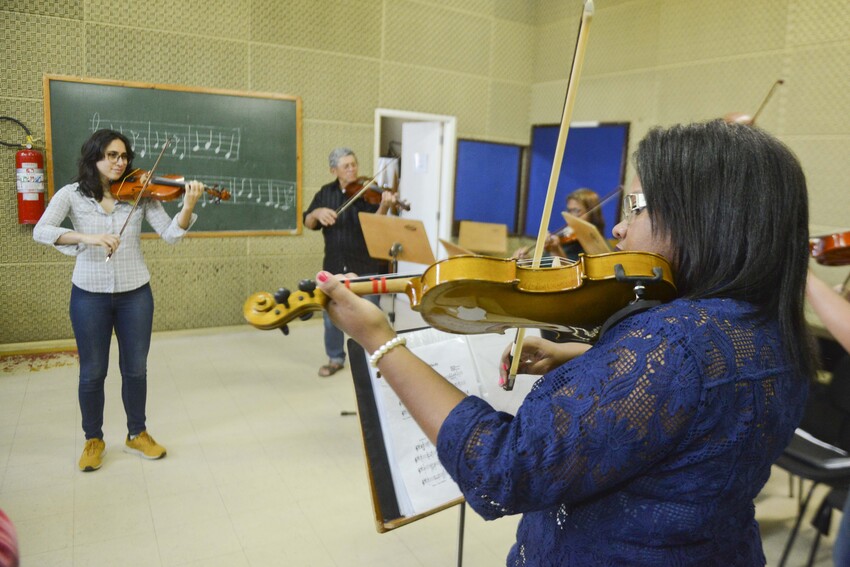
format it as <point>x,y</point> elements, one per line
<point>322,277</point>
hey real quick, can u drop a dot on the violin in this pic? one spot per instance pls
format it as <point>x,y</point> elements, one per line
<point>470,295</point>
<point>832,249</point>
<point>161,188</point>
<point>373,194</point>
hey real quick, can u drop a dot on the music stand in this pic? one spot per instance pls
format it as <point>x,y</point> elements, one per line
<point>587,234</point>
<point>395,238</point>
<point>483,237</point>
<point>455,250</point>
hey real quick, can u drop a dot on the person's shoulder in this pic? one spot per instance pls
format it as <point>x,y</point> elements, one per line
<point>328,186</point>
<point>68,191</point>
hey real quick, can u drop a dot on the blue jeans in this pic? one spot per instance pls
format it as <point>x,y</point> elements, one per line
<point>841,549</point>
<point>93,317</point>
<point>335,339</point>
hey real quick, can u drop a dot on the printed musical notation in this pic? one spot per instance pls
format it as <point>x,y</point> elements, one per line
<point>188,141</point>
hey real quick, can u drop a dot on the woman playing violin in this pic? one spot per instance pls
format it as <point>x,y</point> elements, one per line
<point>582,203</point>
<point>648,447</point>
<point>114,295</point>
<point>345,246</point>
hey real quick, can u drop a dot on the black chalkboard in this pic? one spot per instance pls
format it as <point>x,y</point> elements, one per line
<point>247,143</point>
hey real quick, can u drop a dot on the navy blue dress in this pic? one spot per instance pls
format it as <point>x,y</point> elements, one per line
<point>647,450</point>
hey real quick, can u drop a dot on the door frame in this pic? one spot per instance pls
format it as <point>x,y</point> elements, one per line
<point>388,129</point>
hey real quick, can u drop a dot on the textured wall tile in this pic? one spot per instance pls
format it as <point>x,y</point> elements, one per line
<point>553,50</point>
<point>623,38</point>
<point>332,86</point>
<point>421,35</point>
<point>818,90</point>
<point>322,137</point>
<point>479,7</point>
<point>70,9</point>
<point>513,52</point>
<point>692,30</point>
<point>509,106</point>
<point>825,164</point>
<point>34,302</point>
<point>710,90</point>
<point>425,90</point>
<point>520,11</point>
<point>344,26</point>
<point>34,45</point>
<point>173,59</point>
<point>822,22</point>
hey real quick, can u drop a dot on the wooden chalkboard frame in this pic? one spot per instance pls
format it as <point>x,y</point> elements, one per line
<point>292,163</point>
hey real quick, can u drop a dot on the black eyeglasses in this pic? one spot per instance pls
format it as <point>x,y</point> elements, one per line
<point>113,157</point>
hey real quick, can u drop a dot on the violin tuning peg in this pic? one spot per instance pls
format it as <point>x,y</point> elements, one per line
<point>306,316</point>
<point>282,296</point>
<point>285,330</point>
<point>307,286</point>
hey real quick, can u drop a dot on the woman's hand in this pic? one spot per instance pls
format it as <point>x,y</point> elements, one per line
<point>539,356</point>
<point>193,192</point>
<point>359,318</point>
<point>108,241</point>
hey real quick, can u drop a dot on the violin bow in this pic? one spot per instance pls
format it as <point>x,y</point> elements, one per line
<point>141,192</point>
<point>764,102</point>
<point>566,117</point>
<point>365,188</point>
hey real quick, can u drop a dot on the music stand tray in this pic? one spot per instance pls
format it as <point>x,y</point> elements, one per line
<point>587,234</point>
<point>396,239</point>
<point>483,237</point>
<point>455,250</point>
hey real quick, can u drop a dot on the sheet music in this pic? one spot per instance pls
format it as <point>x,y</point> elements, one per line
<point>471,364</point>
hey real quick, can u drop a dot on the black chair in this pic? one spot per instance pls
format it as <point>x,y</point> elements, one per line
<point>834,500</point>
<point>827,418</point>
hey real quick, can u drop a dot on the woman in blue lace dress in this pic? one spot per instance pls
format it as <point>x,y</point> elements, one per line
<point>649,447</point>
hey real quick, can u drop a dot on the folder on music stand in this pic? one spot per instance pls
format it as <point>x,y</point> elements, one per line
<point>483,237</point>
<point>396,239</point>
<point>587,234</point>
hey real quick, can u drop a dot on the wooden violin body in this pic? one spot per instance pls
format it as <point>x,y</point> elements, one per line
<point>832,249</point>
<point>161,187</point>
<point>478,294</point>
<point>372,194</point>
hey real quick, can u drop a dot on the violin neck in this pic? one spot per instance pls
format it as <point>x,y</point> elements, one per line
<point>382,284</point>
<point>169,182</point>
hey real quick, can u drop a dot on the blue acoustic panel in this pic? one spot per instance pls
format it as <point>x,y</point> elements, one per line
<point>594,158</point>
<point>486,182</point>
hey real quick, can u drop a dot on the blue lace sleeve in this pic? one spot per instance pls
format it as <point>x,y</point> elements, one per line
<point>601,419</point>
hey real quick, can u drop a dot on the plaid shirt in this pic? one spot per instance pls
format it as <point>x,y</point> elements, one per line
<point>126,270</point>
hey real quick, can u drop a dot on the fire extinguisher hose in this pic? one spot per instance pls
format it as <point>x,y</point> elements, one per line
<point>29,141</point>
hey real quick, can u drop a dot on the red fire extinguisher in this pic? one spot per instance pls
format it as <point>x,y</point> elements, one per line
<point>29,164</point>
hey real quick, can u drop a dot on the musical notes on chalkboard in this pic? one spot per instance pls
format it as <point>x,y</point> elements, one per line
<point>188,141</point>
<point>269,193</point>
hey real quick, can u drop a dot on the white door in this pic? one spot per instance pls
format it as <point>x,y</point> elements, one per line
<point>421,174</point>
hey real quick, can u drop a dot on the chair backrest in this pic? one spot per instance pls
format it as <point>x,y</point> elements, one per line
<point>827,414</point>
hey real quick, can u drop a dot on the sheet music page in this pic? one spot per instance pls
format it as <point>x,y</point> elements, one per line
<point>419,479</point>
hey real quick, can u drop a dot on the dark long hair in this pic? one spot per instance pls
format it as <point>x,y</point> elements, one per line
<point>94,150</point>
<point>732,199</point>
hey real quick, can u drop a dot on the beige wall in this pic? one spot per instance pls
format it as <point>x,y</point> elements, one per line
<point>498,65</point>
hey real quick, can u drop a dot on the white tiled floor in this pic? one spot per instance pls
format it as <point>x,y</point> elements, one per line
<point>262,470</point>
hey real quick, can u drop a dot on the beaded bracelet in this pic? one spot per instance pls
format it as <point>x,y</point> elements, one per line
<point>385,348</point>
